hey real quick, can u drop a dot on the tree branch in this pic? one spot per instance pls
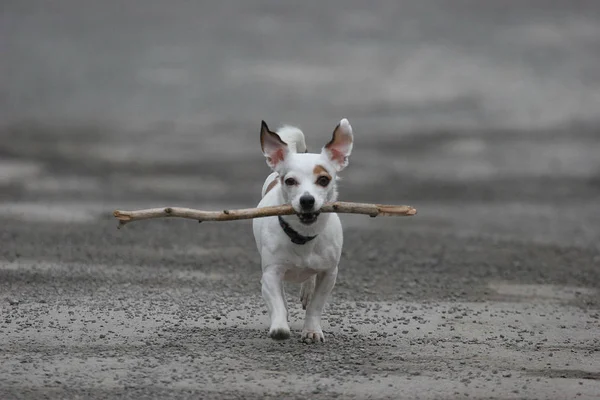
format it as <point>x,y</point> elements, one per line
<point>372,210</point>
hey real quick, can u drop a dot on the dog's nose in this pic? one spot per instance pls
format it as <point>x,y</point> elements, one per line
<point>307,202</point>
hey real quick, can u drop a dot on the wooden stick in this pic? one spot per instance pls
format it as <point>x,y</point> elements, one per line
<point>372,210</point>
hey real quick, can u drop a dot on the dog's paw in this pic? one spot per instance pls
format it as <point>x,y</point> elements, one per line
<point>279,333</point>
<point>313,336</point>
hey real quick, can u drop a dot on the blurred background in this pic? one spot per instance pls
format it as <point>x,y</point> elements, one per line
<point>483,115</point>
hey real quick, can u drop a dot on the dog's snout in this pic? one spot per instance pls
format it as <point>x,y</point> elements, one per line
<point>307,202</point>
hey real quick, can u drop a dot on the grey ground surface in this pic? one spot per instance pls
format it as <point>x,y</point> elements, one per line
<point>482,115</point>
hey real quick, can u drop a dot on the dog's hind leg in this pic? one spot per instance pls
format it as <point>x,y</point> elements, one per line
<point>306,291</point>
<point>312,331</point>
<point>285,302</point>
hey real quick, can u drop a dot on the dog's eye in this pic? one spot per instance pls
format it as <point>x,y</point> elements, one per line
<point>290,181</point>
<point>323,181</point>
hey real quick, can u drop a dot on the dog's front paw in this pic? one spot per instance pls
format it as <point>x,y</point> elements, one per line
<point>279,333</point>
<point>313,336</point>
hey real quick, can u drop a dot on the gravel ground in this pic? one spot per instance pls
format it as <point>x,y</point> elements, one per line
<point>483,117</point>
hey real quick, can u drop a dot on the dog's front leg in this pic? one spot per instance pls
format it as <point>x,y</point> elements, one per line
<point>272,291</point>
<point>312,324</point>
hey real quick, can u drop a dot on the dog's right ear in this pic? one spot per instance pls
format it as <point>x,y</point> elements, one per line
<point>274,149</point>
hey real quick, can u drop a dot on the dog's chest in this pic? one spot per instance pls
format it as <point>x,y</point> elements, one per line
<point>300,268</point>
<point>315,258</point>
<point>276,248</point>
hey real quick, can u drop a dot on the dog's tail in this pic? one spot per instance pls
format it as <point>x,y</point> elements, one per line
<point>293,137</point>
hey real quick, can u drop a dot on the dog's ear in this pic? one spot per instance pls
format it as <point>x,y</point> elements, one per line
<point>339,148</point>
<point>274,149</point>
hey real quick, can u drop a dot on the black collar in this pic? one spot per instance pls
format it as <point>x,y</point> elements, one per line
<point>292,234</point>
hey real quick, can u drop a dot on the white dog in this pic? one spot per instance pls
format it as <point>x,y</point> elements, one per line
<point>306,247</point>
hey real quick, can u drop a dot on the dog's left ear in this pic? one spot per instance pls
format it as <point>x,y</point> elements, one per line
<point>274,149</point>
<point>339,148</point>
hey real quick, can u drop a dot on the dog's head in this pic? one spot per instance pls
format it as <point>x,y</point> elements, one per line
<point>308,180</point>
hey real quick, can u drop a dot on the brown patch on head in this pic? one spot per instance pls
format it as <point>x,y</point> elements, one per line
<point>321,171</point>
<point>272,185</point>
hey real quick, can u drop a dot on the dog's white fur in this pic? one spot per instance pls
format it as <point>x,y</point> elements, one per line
<point>314,264</point>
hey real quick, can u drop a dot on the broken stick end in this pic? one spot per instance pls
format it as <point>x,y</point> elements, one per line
<point>392,211</point>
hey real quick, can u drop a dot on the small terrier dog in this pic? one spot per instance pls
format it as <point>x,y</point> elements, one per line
<point>306,247</point>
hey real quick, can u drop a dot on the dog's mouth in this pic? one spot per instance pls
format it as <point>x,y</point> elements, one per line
<point>308,218</point>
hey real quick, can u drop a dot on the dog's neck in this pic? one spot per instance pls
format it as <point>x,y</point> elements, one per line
<point>294,236</point>
<point>307,230</point>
